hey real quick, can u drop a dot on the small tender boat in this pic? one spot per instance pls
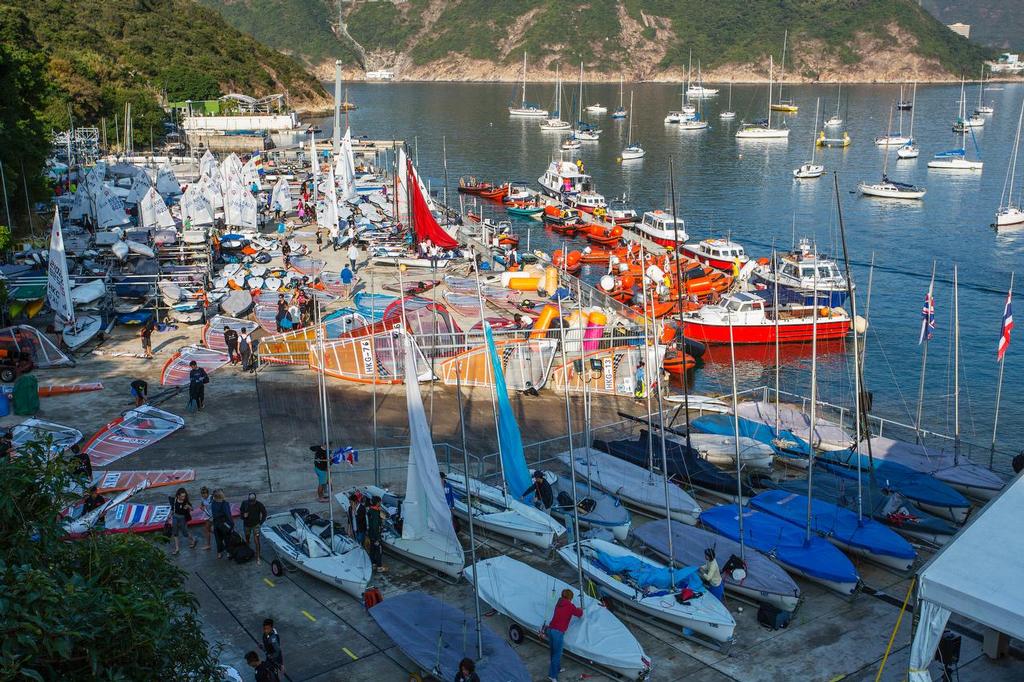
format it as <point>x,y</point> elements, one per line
<point>527,598</point>
<point>304,540</point>
<point>721,254</point>
<point>656,591</point>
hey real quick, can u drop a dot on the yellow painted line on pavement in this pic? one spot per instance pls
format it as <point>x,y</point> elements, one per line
<point>269,582</point>
<point>350,654</point>
<point>307,614</point>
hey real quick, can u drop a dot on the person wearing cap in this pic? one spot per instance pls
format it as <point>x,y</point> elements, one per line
<point>711,575</point>
<point>253,515</point>
<point>544,497</point>
<point>320,467</point>
<point>565,609</point>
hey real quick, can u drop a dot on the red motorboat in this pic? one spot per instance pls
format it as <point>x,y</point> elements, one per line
<point>562,220</point>
<point>720,254</point>
<point>471,185</point>
<point>750,323</point>
<point>494,193</point>
<point>602,235</point>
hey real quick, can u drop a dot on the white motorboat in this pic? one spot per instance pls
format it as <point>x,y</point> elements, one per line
<point>597,108</point>
<point>500,513</point>
<point>588,135</point>
<point>662,228</point>
<point>527,598</point>
<point>700,91</point>
<point>653,589</point>
<point>693,124</point>
<point>834,122</point>
<point>305,541</point>
<point>636,486</point>
<point>596,509</point>
<point>571,144</point>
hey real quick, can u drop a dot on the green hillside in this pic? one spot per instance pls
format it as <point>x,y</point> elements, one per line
<point>607,34</point>
<point>996,23</point>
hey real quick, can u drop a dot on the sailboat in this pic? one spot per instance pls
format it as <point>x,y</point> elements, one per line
<point>526,108</point>
<point>983,109</point>
<point>621,112</point>
<point>698,90</point>
<point>755,131</point>
<point>77,329</point>
<point>633,149</point>
<point>963,121</point>
<point>686,111</point>
<point>956,159</point>
<point>910,150</point>
<point>425,535</point>
<point>811,169</point>
<point>728,114</point>
<point>897,140</point>
<point>554,121</point>
<point>836,120</point>
<point>584,131</point>
<point>695,121</point>
<point>1010,211</point>
<point>499,510</point>
<point>785,105</point>
<point>890,189</point>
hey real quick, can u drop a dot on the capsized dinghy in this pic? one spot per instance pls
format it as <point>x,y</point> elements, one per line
<point>304,540</point>
<point>527,597</point>
<point>652,589</point>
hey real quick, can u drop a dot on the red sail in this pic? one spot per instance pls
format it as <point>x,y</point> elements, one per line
<point>422,219</point>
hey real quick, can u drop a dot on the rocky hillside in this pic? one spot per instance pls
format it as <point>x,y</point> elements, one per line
<point>852,40</point>
<point>996,23</point>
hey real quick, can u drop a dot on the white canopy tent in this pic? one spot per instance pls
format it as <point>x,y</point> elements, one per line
<point>976,575</point>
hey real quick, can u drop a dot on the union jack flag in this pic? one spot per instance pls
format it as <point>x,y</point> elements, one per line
<point>1004,338</point>
<point>927,318</point>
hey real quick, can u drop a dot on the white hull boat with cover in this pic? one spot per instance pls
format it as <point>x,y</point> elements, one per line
<point>596,509</point>
<point>497,512</point>
<point>958,472</point>
<point>527,597</point>
<point>652,589</point>
<point>304,541</point>
<point>634,485</point>
<point>827,434</point>
<point>754,577</point>
<point>888,189</point>
<point>720,450</point>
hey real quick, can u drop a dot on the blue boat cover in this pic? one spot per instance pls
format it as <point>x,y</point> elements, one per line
<point>835,521</point>
<point>513,459</point>
<point>649,575</point>
<point>909,483</point>
<point>787,444</point>
<point>437,636</point>
<point>783,541</point>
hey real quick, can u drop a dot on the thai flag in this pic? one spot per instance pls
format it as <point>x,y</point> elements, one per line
<point>346,454</point>
<point>257,162</point>
<point>927,318</point>
<point>1004,339</point>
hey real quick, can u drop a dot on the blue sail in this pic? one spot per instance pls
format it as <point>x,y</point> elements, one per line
<point>513,459</point>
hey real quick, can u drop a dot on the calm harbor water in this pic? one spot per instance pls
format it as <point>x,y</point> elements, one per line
<point>728,187</point>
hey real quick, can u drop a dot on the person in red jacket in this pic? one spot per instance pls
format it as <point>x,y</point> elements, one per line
<point>559,623</point>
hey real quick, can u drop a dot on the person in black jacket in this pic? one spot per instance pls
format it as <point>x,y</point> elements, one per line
<point>272,644</point>
<point>320,465</point>
<point>357,518</point>
<point>253,515</point>
<point>181,514</point>
<point>231,341</point>
<point>265,671</point>
<point>544,497</point>
<point>467,671</point>
<point>197,380</point>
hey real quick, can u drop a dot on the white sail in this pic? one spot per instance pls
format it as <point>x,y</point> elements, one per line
<point>402,189</point>
<point>153,212</point>
<point>140,185</point>
<point>109,209</point>
<point>425,511</point>
<point>82,205</point>
<point>233,202</point>
<point>281,196</point>
<point>58,286</point>
<point>208,164</point>
<point>345,168</point>
<point>328,215</point>
<point>166,183</point>
<point>231,165</point>
<point>250,176</point>
<point>249,210</point>
<point>195,205</point>
<point>210,188</point>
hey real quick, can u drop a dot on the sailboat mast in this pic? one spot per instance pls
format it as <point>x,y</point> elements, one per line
<point>778,350</point>
<point>782,70</point>
<point>771,74</point>
<point>469,507</point>
<point>494,388</point>
<point>1012,178</point>
<point>814,398</point>
<point>885,157</point>
<point>925,337</point>
<point>900,107</point>
<point>679,296</point>
<point>629,135</point>
<point>523,99</point>
<point>736,439</point>
<point>579,105</point>
<point>321,380</point>
<point>814,145</point>
<point>620,95</point>
<point>913,108</point>
<point>956,366</point>
<point>999,388</point>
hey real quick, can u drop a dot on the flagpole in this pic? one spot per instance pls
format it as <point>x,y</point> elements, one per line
<point>999,384</point>
<point>925,336</point>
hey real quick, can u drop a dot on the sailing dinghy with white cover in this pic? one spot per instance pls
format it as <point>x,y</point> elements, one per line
<point>635,485</point>
<point>527,597</point>
<point>755,577</point>
<point>499,510</point>
<point>653,589</point>
<point>77,331</point>
<point>304,540</point>
<point>437,636</point>
<point>596,509</point>
<point>427,535</point>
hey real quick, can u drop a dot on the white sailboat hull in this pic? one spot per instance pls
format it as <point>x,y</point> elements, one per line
<point>892,140</point>
<point>1009,216</point>
<point>628,154</point>
<point>86,327</point>
<point>955,164</point>
<point>888,191</point>
<point>809,170</point>
<point>721,450</point>
<point>503,515</point>
<point>908,152</point>
<point>759,133</point>
<point>530,113</point>
<point>349,570</point>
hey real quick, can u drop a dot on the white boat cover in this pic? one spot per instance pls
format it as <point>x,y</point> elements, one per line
<point>166,183</point>
<point>942,465</point>
<point>528,597</point>
<point>717,448</point>
<point>88,292</point>
<point>135,429</point>
<point>974,576</point>
<point>437,637</point>
<point>827,434</point>
<point>59,437</point>
<point>28,339</point>
<point>632,483</point>
<point>425,513</point>
<point>507,511</point>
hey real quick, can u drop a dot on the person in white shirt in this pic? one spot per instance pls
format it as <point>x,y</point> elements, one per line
<point>353,255</point>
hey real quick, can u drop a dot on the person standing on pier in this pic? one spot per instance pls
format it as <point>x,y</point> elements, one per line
<point>231,341</point>
<point>353,255</point>
<point>375,516</point>
<point>320,467</point>
<point>146,334</point>
<point>565,610</point>
<point>545,497</point>
<point>197,380</point>
<point>347,277</point>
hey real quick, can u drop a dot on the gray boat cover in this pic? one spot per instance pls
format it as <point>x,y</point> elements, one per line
<point>943,465</point>
<point>828,434</point>
<point>437,636</point>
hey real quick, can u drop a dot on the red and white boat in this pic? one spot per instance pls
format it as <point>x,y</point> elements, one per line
<point>720,254</point>
<point>752,324</point>
<point>564,181</point>
<point>662,228</point>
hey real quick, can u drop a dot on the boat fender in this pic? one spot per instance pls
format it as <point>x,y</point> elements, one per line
<point>608,283</point>
<point>825,311</point>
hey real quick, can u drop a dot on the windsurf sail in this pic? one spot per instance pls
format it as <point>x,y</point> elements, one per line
<point>136,429</point>
<point>371,359</point>
<point>58,285</point>
<point>213,332</point>
<point>176,369</point>
<point>116,481</point>
<point>513,459</point>
<point>56,437</point>
<point>26,339</point>
<point>607,370</point>
<point>525,364</point>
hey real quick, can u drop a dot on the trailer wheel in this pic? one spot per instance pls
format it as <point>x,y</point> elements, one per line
<point>516,634</point>
<point>8,375</point>
<point>277,568</point>
<point>415,677</point>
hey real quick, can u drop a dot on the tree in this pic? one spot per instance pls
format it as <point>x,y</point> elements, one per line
<point>103,607</point>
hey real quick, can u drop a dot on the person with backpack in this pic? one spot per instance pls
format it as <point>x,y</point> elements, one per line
<point>711,576</point>
<point>375,517</point>
<point>231,341</point>
<point>272,645</point>
<point>181,514</point>
<point>197,380</point>
<point>253,515</point>
<point>245,349</point>
<point>265,671</point>
<point>223,524</point>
